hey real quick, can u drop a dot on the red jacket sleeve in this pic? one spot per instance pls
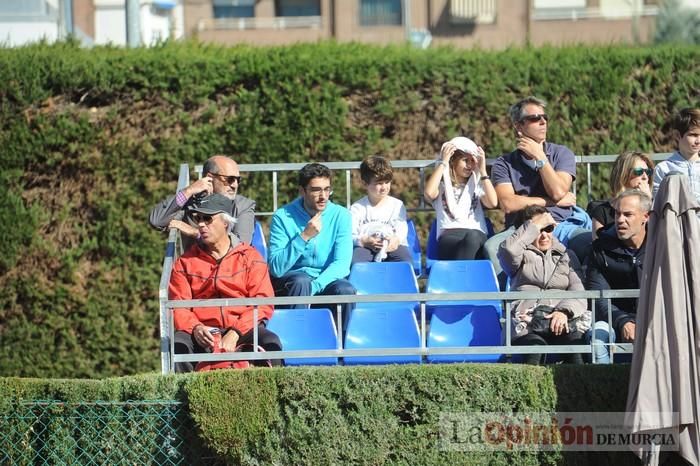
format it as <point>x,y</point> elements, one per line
<point>258,285</point>
<point>179,288</point>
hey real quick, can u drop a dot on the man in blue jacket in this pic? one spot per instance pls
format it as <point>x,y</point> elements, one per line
<point>311,241</point>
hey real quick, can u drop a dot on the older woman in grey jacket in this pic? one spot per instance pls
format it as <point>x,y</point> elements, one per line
<point>536,261</point>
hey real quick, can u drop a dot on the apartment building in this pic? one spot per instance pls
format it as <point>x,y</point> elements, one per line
<point>490,24</point>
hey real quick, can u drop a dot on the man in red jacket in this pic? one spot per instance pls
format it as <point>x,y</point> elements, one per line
<point>219,265</point>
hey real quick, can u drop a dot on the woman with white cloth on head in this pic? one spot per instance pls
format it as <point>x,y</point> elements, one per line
<point>457,189</point>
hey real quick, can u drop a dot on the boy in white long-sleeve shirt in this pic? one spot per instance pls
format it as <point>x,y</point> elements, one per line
<point>379,229</point>
<point>686,160</point>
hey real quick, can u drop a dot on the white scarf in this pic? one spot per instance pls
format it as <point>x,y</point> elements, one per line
<point>461,209</point>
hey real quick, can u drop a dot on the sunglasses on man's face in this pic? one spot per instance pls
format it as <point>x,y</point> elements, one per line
<point>641,171</point>
<point>535,118</point>
<point>547,229</point>
<point>228,179</point>
<point>202,218</point>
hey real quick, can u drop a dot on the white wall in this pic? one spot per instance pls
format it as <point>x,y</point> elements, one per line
<point>20,33</point>
<point>110,22</point>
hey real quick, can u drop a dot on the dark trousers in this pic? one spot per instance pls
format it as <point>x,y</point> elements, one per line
<point>571,338</point>
<point>400,254</point>
<point>299,284</point>
<point>461,244</point>
<point>186,344</point>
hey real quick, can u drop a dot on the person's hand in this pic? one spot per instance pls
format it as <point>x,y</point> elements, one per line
<point>202,336</point>
<point>372,242</point>
<point>202,184</point>
<point>393,244</point>
<point>446,152</point>
<point>543,220</point>
<point>559,322</point>
<point>229,341</point>
<point>481,161</point>
<point>530,147</point>
<point>313,227</point>
<point>628,331</point>
<point>569,200</point>
<point>644,187</point>
<point>185,228</point>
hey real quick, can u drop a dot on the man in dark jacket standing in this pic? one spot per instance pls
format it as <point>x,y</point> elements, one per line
<point>617,259</point>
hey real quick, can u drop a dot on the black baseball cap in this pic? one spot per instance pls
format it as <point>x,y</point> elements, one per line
<point>213,204</point>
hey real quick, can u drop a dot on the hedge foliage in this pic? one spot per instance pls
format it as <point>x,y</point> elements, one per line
<point>91,139</point>
<point>341,415</point>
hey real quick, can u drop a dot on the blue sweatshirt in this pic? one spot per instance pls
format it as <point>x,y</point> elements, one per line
<point>325,257</point>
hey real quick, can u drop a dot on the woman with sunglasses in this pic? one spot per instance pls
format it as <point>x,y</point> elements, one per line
<point>457,188</point>
<point>631,170</point>
<point>535,260</point>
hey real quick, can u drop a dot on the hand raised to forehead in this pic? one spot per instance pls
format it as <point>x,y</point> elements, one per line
<point>447,151</point>
<point>543,220</point>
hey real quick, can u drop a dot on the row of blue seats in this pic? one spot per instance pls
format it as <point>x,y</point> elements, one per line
<point>395,325</point>
<point>413,244</point>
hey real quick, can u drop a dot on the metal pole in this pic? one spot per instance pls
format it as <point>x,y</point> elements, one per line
<point>66,18</point>
<point>133,35</point>
<point>407,18</point>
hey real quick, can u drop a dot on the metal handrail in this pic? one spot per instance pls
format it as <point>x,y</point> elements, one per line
<point>423,298</point>
<point>274,169</point>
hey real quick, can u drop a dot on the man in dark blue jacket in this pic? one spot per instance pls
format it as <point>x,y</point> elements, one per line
<point>617,259</point>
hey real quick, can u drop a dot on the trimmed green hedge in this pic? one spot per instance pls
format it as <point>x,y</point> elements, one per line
<point>338,415</point>
<point>91,139</point>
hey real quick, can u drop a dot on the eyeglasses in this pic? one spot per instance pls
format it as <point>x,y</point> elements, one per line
<point>548,229</point>
<point>202,218</point>
<point>535,118</point>
<point>316,191</point>
<point>228,179</point>
<point>641,171</point>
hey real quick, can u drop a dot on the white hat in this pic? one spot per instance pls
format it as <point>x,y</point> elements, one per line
<point>465,145</point>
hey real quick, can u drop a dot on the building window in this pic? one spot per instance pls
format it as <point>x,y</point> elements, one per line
<point>473,11</point>
<point>234,8</point>
<point>298,7</point>
<point>380,12</point>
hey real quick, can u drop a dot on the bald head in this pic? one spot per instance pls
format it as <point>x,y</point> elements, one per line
<point>224,173</point>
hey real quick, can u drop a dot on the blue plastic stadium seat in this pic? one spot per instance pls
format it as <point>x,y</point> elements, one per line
<point>258,241</point>
<point>463,323</point>
<point>305,329</point>
<point>473,324</point>
<point>414,246</point>
<point>462,276</point>
<point>386,327</point>
<point>384,278</point>
<point>431,248</point>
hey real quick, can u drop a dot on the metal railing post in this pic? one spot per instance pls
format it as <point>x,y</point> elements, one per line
<point>165,320</point>
<point>255,329</point>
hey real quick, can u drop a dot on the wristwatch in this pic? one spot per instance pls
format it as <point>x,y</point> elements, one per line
<point>540,163</point>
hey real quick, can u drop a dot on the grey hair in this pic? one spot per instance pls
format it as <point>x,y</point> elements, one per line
<point>644,199</point>
<point>229,221</point>
<point>516,110</point>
